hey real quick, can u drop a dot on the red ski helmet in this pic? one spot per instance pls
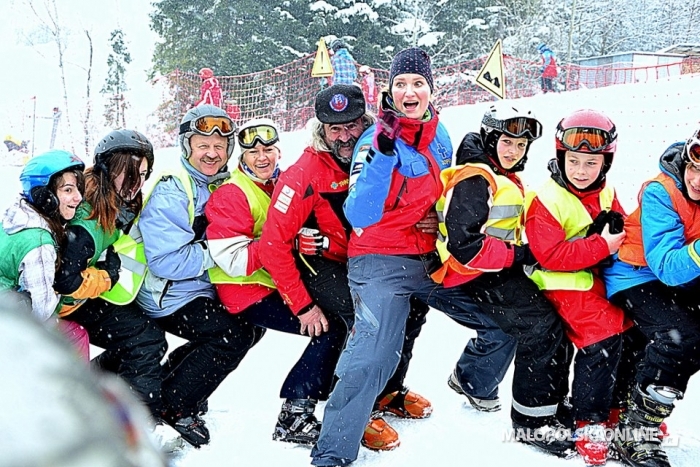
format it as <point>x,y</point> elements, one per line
<point>588,131</point>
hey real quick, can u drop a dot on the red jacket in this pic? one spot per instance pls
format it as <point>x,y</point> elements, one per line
<point>310,194</point>
<point>210,92</point>
<point>231,223</point>
<point>589,317</point>
<point>385,204</point>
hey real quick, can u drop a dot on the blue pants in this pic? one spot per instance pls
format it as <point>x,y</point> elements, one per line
<point>381,288</point>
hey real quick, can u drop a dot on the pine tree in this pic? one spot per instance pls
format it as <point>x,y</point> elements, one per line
<point>115,84</point>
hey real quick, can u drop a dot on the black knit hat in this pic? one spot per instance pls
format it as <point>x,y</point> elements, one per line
<point>413,60</point>
<point>340,103</point>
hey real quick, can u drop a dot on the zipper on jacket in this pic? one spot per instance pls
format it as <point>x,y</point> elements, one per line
<point>402,190</point>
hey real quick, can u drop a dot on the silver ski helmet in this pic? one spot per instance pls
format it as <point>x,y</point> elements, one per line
<point>204,120</point>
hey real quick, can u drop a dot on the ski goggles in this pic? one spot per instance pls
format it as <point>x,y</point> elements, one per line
<point>265,134</point>
<point>692,148</point>
<point>208,125</point>
<point>575,138</point>
<point>519,127</point>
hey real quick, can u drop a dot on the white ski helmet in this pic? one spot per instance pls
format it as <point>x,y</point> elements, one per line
<point>504,118</point>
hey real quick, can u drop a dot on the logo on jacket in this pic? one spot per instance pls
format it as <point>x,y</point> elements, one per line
<point>284,199</point>
<point>336,185</point>
<point>339,103</point>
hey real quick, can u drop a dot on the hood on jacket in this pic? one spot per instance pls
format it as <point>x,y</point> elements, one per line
<point>20,216</point>
<point>672,164</point>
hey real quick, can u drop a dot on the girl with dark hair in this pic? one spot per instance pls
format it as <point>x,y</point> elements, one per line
<point>134,345</point>
<point>33,227</point>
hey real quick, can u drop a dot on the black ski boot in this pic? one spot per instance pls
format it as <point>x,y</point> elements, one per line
<point>191,427</point>
<point>297,423</point>
<point>552,437</point>
<point>637,438</point>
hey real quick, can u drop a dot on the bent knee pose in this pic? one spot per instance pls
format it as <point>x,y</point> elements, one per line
<point>177,293</point>
<point>33,229</point>
<point>484,256</point>
<point>394,184</point>
<point>574,224</point>
<point>653,278</point>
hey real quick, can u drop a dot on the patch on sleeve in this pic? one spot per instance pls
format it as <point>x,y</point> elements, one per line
<point>284,199</point>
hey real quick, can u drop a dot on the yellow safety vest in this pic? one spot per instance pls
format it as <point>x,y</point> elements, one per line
<point>259,202</point>
<point>568,210</point>
<point>504,220</point>
<point>129,247</point>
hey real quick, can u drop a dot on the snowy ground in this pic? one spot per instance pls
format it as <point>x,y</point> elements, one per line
<point>243,410</point>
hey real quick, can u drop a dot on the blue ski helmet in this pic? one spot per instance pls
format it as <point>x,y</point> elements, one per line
<point>38,172</point>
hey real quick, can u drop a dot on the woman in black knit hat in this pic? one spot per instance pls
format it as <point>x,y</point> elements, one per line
<point>394,185</point>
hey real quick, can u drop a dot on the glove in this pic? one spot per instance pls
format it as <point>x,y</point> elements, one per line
<point>310,242</point>
<point>111,264</point>
<point>385,134</point>
<point>616,222</point>
<point>612,218</point>
<point>523,256</point>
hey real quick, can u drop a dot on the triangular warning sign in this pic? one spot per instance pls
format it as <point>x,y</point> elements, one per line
<point>322,63</point>
<point>490,76</point>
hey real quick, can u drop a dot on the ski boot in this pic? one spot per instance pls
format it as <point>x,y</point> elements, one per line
<point>297,423</point>
<point>191,427</point>
<point>638,436</point>
<point>482,405</point>
<point>406,404</point>
<point>552,437</point>
<point>591,442</point>
<point>379,435</point>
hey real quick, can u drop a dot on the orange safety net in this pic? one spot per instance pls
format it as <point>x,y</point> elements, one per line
<point>286,93</point>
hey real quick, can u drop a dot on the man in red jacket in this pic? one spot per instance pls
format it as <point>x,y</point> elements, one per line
<point>306,239</point>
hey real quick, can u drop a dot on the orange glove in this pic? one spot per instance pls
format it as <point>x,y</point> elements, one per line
<point>95,281</point>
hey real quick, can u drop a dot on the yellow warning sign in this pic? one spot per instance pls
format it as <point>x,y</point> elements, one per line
<point>322,62</point>
<point>490,76</point>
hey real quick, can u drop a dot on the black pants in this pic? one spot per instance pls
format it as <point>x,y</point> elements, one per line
<point>134,346</point>
<point>669,318</point>
<point>217,342</point>
<point>329,288</point>
<point>543,354</point>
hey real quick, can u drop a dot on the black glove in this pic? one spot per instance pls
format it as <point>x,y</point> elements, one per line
<point>386,132</point>
<point>199,226</point>
<point>616,222</point>
<point>111,264</point>
<point>523,256</point>
<point>612,218</point>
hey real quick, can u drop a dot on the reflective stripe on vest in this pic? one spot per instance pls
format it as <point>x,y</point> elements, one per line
<point>132,253</point>
<point>259,202</point>
<point>504,220</point>
<point>570,213</point>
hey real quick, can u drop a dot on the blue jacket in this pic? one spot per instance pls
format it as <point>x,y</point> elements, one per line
<point>665,248</point>
<point>177,264</point>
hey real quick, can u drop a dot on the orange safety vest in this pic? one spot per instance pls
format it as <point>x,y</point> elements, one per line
<point>632,249</point>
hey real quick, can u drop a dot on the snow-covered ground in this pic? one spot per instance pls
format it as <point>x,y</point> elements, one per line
<point>243,410</point>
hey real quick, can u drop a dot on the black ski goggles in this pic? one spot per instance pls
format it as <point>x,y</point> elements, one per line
<point>520,127</point>
<point>575,138</point>
<point>264,134</point>
<point>208,125</point>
